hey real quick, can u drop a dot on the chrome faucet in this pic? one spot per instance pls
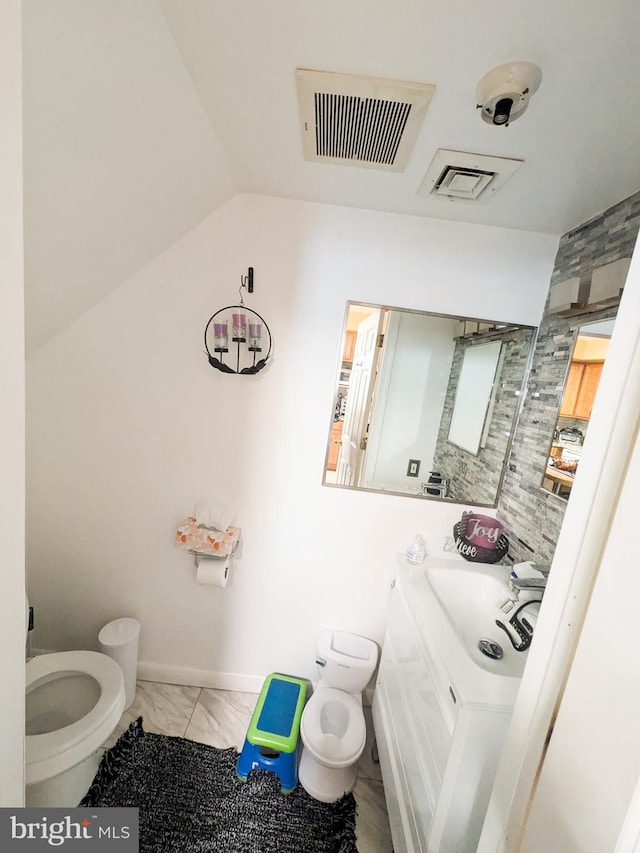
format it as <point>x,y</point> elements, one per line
<point>521,626</point>
<point>536,585</point>
<point>435,489</point>
<point>519,584</point>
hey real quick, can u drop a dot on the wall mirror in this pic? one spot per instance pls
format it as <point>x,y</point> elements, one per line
<point>475,392</point>
<point>425,404</point>
<point>581,385</point>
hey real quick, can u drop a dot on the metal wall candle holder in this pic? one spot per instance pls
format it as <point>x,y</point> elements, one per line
<point>250,336</point>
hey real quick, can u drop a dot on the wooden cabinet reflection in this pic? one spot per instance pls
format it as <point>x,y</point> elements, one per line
<point>334,447</point>
<point>581,388</point>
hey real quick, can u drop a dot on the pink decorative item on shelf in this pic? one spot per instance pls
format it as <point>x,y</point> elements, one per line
<point>480,538</point>
<point>483,530</point>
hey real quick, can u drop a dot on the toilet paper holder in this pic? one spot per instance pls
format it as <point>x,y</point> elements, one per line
<point>199,555</point>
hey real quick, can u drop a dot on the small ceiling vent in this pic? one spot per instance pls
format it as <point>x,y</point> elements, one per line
<point>459,182</point>
<point>462,176</point>
<point>360,121</point>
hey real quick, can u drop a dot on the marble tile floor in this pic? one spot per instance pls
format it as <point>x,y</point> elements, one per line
<point>220,718</point>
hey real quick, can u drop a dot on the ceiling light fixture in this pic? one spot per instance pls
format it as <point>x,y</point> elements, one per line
<point>503,93</point>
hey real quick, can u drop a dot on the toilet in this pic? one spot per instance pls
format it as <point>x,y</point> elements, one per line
<point>332,728</point>
<point>74,702</point>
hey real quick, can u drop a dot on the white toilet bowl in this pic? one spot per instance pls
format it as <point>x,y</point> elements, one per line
<point>332,728</point>
<point>333,732</point>
<point>74,702</point>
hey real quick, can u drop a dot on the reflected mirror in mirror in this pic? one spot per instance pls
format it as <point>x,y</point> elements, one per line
<point>581,385</point>
<point>474,393</point>
<point>425,404</point>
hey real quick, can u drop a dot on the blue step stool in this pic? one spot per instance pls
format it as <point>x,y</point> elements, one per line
<point>273,734</point>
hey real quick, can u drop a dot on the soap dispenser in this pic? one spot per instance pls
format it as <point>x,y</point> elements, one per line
<point>417,550</point>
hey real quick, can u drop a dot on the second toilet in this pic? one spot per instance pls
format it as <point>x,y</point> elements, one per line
<point>333,728</point>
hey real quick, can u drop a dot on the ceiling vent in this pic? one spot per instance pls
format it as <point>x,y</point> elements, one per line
<point>461,176</point>
<point>360,121</point>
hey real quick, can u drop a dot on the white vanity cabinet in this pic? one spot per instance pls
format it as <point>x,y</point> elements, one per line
<point>438,737</point>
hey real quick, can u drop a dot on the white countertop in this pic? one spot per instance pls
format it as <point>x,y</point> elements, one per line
<point>473,685</point>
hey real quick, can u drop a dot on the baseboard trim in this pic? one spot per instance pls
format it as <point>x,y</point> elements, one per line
<point>34,653</point>
<point>189,676</point>
<point>192,677</point>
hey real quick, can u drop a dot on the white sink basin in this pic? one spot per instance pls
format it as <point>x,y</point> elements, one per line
<point>471,595</point>
<point>455,604</point>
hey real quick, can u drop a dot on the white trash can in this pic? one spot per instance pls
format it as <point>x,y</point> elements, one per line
<point>119,640</point>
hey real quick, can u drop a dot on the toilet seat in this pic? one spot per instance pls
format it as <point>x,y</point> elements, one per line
<point>51,752</point>
<point>328,748</point>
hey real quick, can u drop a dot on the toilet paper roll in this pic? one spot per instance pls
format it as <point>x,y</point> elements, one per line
<point>211,572</point>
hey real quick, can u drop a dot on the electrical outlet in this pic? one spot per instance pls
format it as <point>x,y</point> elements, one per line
<point>413,468</point>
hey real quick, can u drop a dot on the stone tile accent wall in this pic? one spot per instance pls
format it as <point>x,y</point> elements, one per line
<point>533,517</point>
<point>477,478</point>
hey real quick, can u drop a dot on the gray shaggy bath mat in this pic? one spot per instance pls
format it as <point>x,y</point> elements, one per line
<point>191,801</point>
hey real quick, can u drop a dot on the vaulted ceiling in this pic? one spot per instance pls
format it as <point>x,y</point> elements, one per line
<point>141,117</point>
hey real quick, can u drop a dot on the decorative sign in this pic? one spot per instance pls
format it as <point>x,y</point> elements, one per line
<point>480,538</point>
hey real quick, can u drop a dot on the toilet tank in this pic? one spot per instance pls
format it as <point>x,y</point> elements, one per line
<point>345,661</point>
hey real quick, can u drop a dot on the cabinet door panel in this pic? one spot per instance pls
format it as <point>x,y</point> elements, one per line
<point>424,738</point>
<point>437,721</point>
<point>571,388</point>
<point>349,345</point>
<point>422,773</point>
<point>389,715</point>
<point>588,389</point>
<point>580,389</point>
<point>438,762</point>
<point>334,447</point>
<point>423,711</point>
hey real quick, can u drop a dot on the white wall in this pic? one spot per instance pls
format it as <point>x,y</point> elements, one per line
<point>592,765</point>
<point>128,426</point>
<point>12,606</point>
<point>595,730</point>
<point>590,546</point>
<point>114,127</point>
